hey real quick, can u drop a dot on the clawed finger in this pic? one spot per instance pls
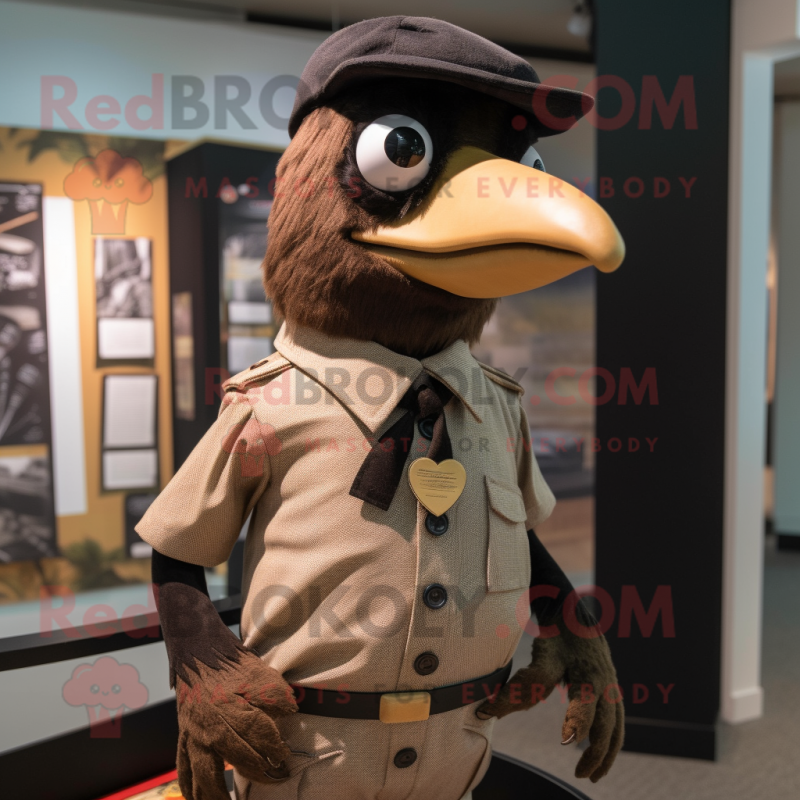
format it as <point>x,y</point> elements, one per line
<point>524,690</point>
<point>201,772</point>
<point>499,705</point>
<point>265,688</point>
<point>614,747</point>
<point>251,742</point>
<point>184,766</point>
<point>600,736</point>
<point>578,719</point>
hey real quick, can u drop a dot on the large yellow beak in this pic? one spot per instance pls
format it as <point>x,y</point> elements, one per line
<point>492,227</point>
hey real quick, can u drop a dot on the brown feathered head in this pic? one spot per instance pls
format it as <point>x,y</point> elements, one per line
<point>317,274</point>
<point>405,206</point>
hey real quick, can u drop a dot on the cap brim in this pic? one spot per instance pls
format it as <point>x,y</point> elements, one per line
<point>565,105</point>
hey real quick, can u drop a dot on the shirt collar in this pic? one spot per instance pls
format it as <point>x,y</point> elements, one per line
<point>369,379</point>
<point>458,369</point>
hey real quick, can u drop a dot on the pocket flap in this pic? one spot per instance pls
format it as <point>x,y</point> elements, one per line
<point>506,500</point>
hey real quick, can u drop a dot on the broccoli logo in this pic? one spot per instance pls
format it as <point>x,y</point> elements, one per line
<point>109,182</point>
<point>253,441</point>
<point>106,688</point>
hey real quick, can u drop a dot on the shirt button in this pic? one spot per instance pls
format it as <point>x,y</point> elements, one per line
<point>425,427</point>
<point>437,525</point>
<point>434,596</point>
<point>405,757</point>
<point>426,663</point>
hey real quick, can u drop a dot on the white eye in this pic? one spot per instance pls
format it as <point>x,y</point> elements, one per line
<point>532,159</point>
<point>394,153</point>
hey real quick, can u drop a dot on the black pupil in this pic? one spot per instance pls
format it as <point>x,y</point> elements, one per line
<point>404,147</point>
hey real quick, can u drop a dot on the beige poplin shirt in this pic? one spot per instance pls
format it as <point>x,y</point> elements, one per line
<point>333,586</point>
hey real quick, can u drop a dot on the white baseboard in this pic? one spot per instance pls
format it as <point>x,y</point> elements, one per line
<point>743,705</point>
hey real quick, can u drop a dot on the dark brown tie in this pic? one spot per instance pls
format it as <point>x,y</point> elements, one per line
<point>379,476</point>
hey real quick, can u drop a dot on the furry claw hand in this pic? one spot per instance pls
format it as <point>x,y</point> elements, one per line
<point>227,697</point>
<point>227,714</point>
<point>595,703</point>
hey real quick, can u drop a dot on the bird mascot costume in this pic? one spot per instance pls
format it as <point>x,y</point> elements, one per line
<point>391,563</point>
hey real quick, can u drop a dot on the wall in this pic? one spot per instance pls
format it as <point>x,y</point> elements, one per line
<point>659,509</point>
<point>102,520</point>
<point>786,420</point>
<point>762,34</point>
<point>117,54</point>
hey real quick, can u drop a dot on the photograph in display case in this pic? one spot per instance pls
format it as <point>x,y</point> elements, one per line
<point>248,312</point>
<point>135,506</point>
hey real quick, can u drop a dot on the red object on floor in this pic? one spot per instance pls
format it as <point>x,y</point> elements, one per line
<point>143,787</point>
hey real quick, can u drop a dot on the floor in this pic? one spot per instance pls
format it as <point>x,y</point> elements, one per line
<point>758,760</point>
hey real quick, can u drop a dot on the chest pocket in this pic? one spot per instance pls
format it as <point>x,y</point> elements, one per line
<point>508,559</point>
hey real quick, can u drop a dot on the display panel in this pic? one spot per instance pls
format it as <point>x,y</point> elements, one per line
<point>27,518</point>
<point>24,384</point>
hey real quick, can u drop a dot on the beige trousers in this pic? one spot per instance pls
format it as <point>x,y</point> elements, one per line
<point>343,759</point>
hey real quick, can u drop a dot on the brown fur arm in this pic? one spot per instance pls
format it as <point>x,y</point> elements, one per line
<point>226,696</point>
<point>577,655</point>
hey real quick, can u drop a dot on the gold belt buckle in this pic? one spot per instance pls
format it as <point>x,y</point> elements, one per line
<point>405,707</point>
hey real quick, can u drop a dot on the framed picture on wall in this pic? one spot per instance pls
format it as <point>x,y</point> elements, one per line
<point>27,522</point>
<point>135,506</point>
<point>183,355</point>
<point>124,299</point>
<point>130,432</point>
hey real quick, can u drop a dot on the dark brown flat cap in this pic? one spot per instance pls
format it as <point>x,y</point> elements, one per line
<point>421,47</point>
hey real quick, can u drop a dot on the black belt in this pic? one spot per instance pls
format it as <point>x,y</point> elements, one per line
<point>409,706</point>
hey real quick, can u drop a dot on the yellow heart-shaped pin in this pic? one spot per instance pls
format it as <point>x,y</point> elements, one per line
<point>437,486</point>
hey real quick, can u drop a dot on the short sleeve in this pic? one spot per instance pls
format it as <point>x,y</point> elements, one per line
<point>537,495</point>
<point>198,516</point>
